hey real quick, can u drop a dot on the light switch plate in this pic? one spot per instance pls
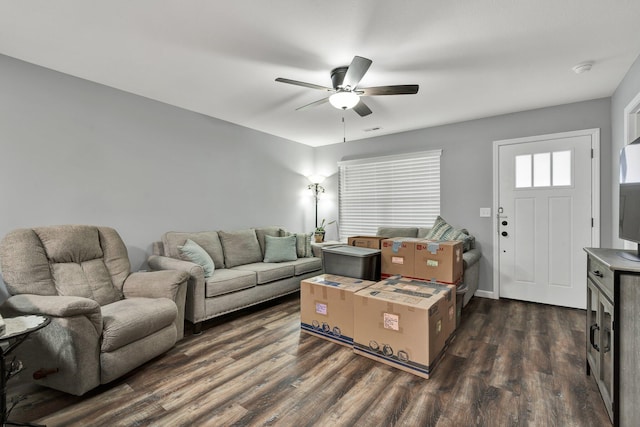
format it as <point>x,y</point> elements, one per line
<point>485,212</point>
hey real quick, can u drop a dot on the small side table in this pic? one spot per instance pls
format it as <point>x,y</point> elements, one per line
<point>316,248</point>
<point>17,330</point>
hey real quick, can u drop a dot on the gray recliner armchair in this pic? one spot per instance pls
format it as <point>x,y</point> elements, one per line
<point>105,320</point>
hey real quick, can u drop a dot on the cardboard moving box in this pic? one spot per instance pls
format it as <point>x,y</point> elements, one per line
<point>404,323</point>
<point>370,242</point>
<point>398,256</point>
<point>439,261</point>
<point>326,306</point>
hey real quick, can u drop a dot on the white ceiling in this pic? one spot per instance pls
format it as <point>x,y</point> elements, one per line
<point>472,59</point>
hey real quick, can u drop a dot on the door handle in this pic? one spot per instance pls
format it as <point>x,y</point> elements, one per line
<point>607,347</point>
<point>504,234</point>
<point>592,334</point>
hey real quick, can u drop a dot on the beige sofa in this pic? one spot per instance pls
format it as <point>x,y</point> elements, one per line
<point>105,320</point>
<point>240,276</point>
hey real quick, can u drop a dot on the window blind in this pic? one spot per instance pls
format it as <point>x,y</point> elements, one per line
<point>389,191</point>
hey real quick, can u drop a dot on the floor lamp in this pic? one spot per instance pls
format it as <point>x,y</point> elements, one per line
<point>316,189</point>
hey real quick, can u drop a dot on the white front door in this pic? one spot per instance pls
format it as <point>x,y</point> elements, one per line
<point>545,217</point>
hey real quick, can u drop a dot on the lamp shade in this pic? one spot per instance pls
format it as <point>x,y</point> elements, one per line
<point>344,100</point>
<point>316,179</point>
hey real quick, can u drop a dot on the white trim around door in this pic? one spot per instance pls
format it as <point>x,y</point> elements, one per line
<point>595,192</point>
<point>631,132</point>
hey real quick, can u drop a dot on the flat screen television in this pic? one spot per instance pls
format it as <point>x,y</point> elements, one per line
<point>629,220</point>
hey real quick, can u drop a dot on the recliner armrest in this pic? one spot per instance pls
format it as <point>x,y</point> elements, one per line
<point>171,284</point>
<point>195,299</point>
<point>154,284</point>
<point>55,306</point>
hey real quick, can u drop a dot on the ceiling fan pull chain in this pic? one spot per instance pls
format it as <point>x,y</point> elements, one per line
<point>344,130</point>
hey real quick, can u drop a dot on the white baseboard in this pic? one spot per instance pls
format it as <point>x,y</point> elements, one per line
<point>486,294</point>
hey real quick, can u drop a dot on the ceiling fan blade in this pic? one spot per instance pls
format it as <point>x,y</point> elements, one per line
<point>356,71</point>
<point>309,85</point>
<point>314,103</point>
<point>389,90</point>
<point>362,109</point>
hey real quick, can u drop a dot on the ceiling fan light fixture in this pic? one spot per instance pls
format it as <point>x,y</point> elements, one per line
<point>344,100</point>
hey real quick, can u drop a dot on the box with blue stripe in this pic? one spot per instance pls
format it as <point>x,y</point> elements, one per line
<point>405,323</point>
<point>326,306</point>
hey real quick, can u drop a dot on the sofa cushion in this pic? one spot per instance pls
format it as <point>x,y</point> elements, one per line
<point>89,279</point>
<point>194,253</point>
<point>67,260</point>
<point>267,272</point>
<point>70,243</point>
<point>240,247</point>
<point>441,230</point>
<point>422,232</point>
<point>224,281</point>
<point>397,232</point>
<point>305,265</point>
<point>24,264</point>
<point>303,244</point>
<point>208,240</point>
<point>131,319</point>
<point>267,231</point>
<point>77,262</point>
<point>280,249</point>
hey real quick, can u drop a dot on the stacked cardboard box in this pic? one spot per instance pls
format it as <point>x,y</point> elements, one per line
<point>398,256</point>
<point>439,261</point>
<point>369,242</point>
<point>326,306</point>
<point>405,323</point>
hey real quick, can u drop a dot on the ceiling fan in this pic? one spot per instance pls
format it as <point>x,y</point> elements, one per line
<point>345,91</point>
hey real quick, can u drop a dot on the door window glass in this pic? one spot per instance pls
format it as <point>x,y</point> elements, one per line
<point>551,169</point>
<point>542,170</point>
<point>561,168</point>
<point>523,171</point>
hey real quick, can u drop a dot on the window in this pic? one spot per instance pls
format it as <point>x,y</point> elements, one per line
<point>543,170</point>
<point>389,191</point>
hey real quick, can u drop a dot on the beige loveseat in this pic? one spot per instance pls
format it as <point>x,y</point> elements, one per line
<point>105,320</point>
<point>240,277</point>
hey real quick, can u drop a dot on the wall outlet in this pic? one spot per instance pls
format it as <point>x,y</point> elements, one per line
<point>485,212</point>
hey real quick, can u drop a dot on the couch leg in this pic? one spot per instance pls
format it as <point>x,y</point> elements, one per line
<point>197,328</point>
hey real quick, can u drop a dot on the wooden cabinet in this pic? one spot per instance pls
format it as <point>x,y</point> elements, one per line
<point>600,342</point>
<point>613,332</point>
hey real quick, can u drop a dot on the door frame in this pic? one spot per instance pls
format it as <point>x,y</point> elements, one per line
<point>632,119</point>
<point>595,191</point>
<point>631,132</point>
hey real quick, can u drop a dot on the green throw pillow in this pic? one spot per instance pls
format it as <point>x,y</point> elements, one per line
<point>303,244</point>
<point>193,252</point>
<point>441,230</point>
<point>280,249</point>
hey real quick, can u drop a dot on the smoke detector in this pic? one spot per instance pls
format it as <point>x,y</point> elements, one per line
<point>582,68</point>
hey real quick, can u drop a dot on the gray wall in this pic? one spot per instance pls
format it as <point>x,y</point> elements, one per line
<point>627,90</point>
<point>72,151</point>
<point>467,163</point>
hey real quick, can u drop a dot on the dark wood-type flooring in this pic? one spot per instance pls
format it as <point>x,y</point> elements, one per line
<point>510,364</point>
